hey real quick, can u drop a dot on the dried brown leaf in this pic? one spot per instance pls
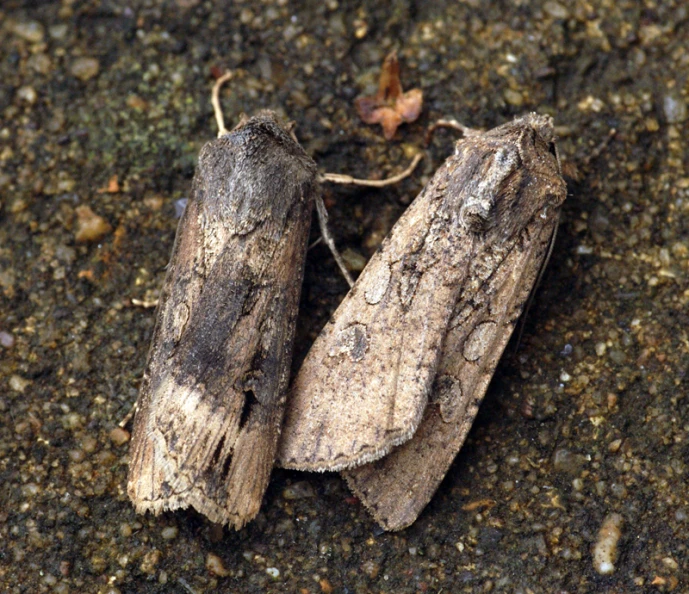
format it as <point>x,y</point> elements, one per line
<point>390,106</point>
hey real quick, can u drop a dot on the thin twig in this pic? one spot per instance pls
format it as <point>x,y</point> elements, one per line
<point>454,124</point>
<point>215,100</point>
<point>339,178</point>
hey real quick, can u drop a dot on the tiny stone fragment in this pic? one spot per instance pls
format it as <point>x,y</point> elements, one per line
<point>215,566</point>
<point>27,94</point>
<point>31,31</point>
<point>90,226</point>
<point>84,68</point>
<point>371,569</point>
<point>353,260</point>
<point>169,532</point>
<point>605,548</point>
<point>566,461</point>
<point>6,339</point>
<point>300,490</point>
<point>40,63</point>
<point>675,109</point>
<point>150,561</point>
<point>556,10</point>
<point>513,97</point>
<point>18,383</point>
<point>58,31</point>
<point>119,436</point>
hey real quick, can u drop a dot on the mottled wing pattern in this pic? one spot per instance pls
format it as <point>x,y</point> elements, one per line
<point>361,391</point>
<point>364,385</point>
<point>396,488</point>
<point>212,398</point>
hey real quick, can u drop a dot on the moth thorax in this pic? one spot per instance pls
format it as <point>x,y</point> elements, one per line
<point>476,213</point>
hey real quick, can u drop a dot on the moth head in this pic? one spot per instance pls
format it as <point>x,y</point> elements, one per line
<point>538,134</point>
<point>479,210</point>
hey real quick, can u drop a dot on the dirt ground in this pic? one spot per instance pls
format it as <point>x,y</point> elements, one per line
<point>105,106</point>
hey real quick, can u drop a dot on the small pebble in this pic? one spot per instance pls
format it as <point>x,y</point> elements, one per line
<point>675,109</point>
<point>30,489</point>
<point>6,340</point>
<point>605,549</point>
<point>169,532</point>
<point>353,260</point>
<point>90,226</point>
<point>84,68</point>
<point>77,455</point>
<point>154,202</point>
<point>565,460</point>
<point>58,32</point>
<point>514,98</point>
<point>119,436</point>
<point>299,490</point>
<point>31,31</point>
<point>150,561</point>
<point>370,568</point>
<point>27,94</point>
<point>72,421</point>
<point>18,383</point>
<point>41,63</point>
<point>215,566</point>
<point>556,10</point>
<point>89,444</point>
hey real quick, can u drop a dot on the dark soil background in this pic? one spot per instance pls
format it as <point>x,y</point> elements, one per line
<point>587,418</point>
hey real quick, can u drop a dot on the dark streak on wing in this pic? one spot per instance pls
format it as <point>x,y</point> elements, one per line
<point>213,392</point>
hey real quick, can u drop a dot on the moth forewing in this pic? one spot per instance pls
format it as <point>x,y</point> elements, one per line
<point>364,384</point>
<point>212,398</point>
<point>396,488</point>
<point>448,285</point>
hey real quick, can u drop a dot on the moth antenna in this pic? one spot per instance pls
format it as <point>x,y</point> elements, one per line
<point>215,100</point>
<point>338,178</point>
<point>329,241</point>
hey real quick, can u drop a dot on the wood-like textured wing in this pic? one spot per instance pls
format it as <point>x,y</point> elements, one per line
<point>212,398</point>
<point>360,389</point>
<point>396,488</point>
<point>364,385</point>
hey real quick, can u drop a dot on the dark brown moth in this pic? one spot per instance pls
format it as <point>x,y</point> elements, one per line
<point>212,397</point>
<point>392,384</point>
